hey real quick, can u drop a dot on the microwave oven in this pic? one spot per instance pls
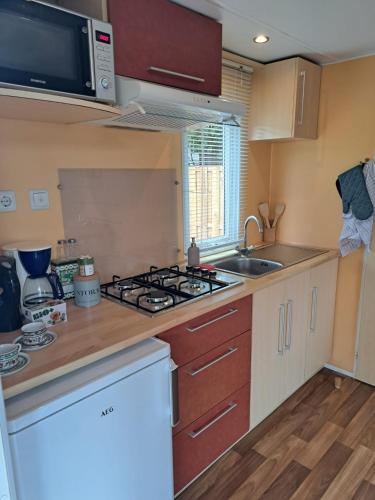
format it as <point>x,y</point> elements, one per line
<point>47,48</point>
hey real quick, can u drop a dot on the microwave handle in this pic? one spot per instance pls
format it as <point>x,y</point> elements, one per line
<point>91,49</point>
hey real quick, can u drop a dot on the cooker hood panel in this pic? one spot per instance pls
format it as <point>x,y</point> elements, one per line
<point>156,107</point>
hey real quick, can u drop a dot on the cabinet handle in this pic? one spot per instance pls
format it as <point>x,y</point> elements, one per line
<point>228,409</point>
<point>230,351</point>
<point>214,320</point>
<point>314,309</point>
<point>289,323</point>
<point>176,73</point>
<point>174,393</point>
<point>281,336</point>
<point>302,111</point>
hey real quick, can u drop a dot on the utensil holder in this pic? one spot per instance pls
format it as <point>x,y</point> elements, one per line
<point>269,234</point>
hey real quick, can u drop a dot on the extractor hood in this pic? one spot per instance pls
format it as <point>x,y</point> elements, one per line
<point>150,106</point>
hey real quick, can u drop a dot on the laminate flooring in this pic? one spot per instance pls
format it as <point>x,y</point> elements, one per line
<point>319,444</point>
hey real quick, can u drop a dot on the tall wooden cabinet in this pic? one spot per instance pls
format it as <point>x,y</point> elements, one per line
<point>285,101</point>
<point>292,336</point>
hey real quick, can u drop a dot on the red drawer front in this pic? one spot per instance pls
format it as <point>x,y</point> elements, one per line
<point>211,378</point>
<point>214,432</point>
<point>204,333</point>
<point>164,35</point>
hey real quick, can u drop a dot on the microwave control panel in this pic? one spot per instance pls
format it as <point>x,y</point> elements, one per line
<point>103,61</point>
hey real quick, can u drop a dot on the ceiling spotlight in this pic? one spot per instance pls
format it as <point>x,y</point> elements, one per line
<point>261,39</point>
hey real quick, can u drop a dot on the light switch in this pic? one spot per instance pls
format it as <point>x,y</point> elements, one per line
<point>39,199</point>
<point>7,201</point>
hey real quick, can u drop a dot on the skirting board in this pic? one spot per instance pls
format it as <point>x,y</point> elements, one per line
<point>339,370</point>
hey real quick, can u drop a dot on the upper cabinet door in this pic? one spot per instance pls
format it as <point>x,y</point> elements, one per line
<point>285,101</point>
<point>306,100</point>
<point>165,43</point>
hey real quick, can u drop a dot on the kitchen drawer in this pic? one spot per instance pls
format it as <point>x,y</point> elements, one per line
<point>207,438</point>
<point>211,378</point>
<point>162,42</point>
<point>204,333</point>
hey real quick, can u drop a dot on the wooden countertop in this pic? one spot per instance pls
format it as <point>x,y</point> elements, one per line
<point>92,334</point>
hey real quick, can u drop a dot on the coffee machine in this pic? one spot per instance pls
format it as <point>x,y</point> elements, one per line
<point>33,259</point>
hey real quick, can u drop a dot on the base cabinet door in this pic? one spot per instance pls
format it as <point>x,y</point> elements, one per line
<point>321,300</point>
<point>267,362</point>
<point>295,334</point>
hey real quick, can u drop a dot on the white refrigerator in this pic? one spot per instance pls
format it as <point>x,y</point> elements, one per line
<point>101,432</point>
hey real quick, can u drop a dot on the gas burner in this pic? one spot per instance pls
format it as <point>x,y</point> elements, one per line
<point>157,297</point>
<point>165,275</point>
<point>194,284</point>
<point>125,285</point>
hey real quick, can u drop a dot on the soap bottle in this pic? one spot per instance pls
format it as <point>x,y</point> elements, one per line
<point>193,254</point>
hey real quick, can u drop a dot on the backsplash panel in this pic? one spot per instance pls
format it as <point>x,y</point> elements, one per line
<point>127,219</point>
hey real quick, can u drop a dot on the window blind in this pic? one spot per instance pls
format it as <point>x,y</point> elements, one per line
<point>215,172</point>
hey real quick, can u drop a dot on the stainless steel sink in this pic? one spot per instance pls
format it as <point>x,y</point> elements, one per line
<point>266,260</point>
<point>248,266</point>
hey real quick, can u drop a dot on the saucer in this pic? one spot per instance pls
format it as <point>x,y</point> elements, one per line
<point>49,338</point>
<point>22,361</point>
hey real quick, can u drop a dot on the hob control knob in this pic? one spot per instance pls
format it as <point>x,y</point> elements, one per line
<point>104,83</point>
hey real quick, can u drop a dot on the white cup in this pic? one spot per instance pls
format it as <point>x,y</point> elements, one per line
<point>9,355</point>
<point>34,333</point>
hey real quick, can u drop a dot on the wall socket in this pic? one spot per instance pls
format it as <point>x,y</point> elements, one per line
<point>7,201</point>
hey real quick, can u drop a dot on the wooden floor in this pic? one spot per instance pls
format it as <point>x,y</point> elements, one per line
<point>320,444</point>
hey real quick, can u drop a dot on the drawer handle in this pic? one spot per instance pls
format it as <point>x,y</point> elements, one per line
<point>230,351</point>
<point>176,73</point>
<point>218,318</point>
<point>227,410</point>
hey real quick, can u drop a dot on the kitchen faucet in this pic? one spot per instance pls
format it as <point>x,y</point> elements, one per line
<point>245,248</point>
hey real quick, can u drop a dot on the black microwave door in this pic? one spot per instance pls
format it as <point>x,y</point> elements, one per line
<point>44,47</point>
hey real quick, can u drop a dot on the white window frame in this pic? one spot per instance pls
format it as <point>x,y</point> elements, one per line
<point>231,189</point>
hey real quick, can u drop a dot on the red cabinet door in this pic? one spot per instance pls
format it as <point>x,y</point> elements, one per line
<point>199,444</point>
<point>211,378</point>
<point>154,38</point>
<point>204,333</point>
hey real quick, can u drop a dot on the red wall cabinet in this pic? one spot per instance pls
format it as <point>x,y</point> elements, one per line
<point>156,39</point>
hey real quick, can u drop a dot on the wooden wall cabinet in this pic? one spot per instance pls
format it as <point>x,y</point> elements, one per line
<point>285,101</point>
<point>292,336</point>
<point>165,43</point>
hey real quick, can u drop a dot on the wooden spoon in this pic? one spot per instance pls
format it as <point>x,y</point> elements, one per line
<point>279,210</point>
<point>264,211</point>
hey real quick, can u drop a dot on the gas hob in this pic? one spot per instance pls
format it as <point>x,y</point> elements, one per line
<point>162,289</point>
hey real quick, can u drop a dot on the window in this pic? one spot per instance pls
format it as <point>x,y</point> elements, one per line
<point>215,172</point>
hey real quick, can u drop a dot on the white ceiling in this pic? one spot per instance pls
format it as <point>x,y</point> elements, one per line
<point>325,31</point>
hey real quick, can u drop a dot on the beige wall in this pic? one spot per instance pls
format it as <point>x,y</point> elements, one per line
<point>303,175</point>
<point>32,153</point>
